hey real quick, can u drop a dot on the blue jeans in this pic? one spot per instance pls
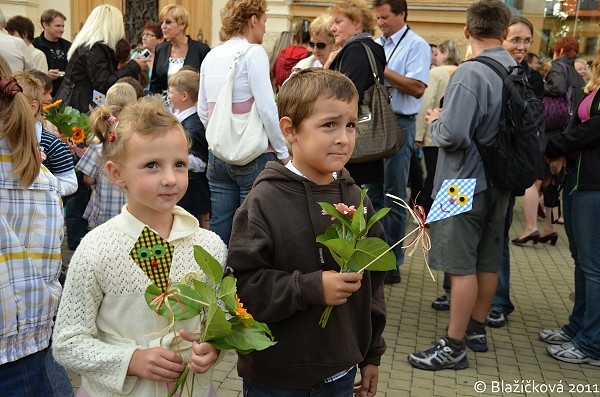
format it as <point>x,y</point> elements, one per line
<point>395,181</point>
<point>229,186</point>
<point>343,387</point>
<point>58,377</point>
<point>25,377</point>
<point>501,300</point>
<point>584,228</point>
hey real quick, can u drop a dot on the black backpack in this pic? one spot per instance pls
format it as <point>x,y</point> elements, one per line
<point>516,157</point>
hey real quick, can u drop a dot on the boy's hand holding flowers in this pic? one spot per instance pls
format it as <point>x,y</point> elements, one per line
<point>352,250</point>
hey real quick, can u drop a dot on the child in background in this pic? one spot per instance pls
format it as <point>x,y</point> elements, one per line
<point>284,277</point>
<point>105,331</point>
<point>56,155</point>
<point>106,200</point>
<point>183,94</point>
<point>31,225</point>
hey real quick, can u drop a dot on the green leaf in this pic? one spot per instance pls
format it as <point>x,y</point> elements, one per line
<point>244,339</point>
<point>333,231</point>
<point>178,295</point>
<point>227,292</point>
<point>208,264</point>
<point>330,209</point>
<point>377,216</point>
<point>206,293</point>
<point>368,249</point>
<point>340,246</point>
<point>358,219</point>
<point>217,325</point>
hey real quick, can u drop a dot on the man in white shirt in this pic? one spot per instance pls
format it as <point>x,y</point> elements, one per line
<point>407,72</point>
<point>14,50</point>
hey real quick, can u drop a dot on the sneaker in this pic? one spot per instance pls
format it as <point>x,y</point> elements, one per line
<point>496,318</point>
<point>570,353</point>
<point>392,277</point>
<point>554,336</point>
<point>441,303</point>
<point>476,342</point>
<point>440,356</point>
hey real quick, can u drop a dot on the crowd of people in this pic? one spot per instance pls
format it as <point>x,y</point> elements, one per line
<point>154,159</point>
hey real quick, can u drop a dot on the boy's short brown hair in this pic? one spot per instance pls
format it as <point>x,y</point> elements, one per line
<point>186,80</point>
<point>300,93</point>
<point>488,19</point>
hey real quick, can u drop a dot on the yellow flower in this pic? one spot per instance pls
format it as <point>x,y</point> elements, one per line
<point>52,105</point>
<point>78,135</point>
<point>240,311</point>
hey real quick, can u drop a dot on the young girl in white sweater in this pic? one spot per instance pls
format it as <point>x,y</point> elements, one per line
<point>105,331</point>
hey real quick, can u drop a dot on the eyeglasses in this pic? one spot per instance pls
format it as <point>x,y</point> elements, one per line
<point>148,35</point>
<point>166,21</point>
<point>517,41</point>
<point>320,46</point>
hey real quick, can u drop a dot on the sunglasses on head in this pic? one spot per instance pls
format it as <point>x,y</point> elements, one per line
<point>320,46</point>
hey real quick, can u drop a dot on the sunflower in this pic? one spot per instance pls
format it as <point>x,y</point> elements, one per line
<point>240,311</point>
<point>52,105</point>
<point>78,135</point>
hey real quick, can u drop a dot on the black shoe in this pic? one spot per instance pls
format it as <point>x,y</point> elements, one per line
<point>476,342</point>
<point>552,237</point>
<point>535,237</point>
<point>392,277</point>
<point>496,318</point>
<point>441,303</point>
<point>440,356</point>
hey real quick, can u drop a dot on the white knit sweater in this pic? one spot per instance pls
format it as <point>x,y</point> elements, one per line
<point>103,317</point>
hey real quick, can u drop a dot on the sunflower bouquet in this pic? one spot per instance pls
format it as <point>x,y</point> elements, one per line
<point>69,121</point>
<point>226,324</point>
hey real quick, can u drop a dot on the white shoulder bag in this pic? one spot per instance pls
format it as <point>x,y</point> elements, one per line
<point>235,138</point>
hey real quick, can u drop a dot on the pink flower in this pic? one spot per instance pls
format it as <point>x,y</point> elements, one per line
<point>344,209</point>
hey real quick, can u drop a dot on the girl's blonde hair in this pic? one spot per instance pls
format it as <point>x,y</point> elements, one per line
<point>235,15</point>
<point>594,75</point>
<point>105,24</point>
<point>356,11</point>
<point>17,127</point>
<point>117,97</point>
<point>147,117</point>
<point>32,89</point>
<point>179,13</point>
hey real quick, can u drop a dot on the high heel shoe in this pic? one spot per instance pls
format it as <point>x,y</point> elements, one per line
<point>535,237</point>
<point>552,237</point>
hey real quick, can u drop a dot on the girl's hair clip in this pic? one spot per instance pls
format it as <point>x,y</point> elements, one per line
<point>113,133</point>
<point>112,119</point>
<point>9,87</point>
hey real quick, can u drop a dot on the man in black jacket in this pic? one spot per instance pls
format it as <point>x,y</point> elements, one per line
<point>53,45</point>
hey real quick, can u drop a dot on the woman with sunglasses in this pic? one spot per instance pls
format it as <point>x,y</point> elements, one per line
<point>578,341</point>
<point>177,51</point>
<point>321,43</point>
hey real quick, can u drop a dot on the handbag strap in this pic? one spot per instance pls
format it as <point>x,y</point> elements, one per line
<point>371,62</point>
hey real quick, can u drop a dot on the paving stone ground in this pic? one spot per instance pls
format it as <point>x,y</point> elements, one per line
<point>541,281</point>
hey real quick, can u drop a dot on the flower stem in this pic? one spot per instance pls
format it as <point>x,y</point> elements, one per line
<point>325,316</point>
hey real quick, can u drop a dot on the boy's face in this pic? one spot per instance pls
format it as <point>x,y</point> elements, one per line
<point>47,97</point>
<point>178,99</point>
<point>324,141</point>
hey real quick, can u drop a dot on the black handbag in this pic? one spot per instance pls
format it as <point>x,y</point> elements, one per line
<point>378,133</point>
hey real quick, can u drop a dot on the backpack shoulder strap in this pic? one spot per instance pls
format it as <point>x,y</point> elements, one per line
<point>493,64</point>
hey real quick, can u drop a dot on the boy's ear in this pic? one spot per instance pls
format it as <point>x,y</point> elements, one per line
<point>287,129</point>
<point>114,173</point>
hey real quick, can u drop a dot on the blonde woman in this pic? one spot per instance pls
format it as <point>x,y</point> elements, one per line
<point>242,24</point>
<point>321,43</point>
<point>92,60</point>
<point>178,50</point>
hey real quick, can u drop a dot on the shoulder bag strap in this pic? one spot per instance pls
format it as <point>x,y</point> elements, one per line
<point>371,61</point>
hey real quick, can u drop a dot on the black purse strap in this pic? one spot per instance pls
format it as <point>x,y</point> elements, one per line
<point>371,62</point>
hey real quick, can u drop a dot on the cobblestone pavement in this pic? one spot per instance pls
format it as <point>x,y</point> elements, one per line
<point>541,281</point>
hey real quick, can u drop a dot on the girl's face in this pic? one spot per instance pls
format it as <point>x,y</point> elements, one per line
<point>344,28</point>
<point>170,27</point>
<point>154,174</point>
<point>518,42</point>
<point>150,41</point>
<point>323,41</point>
<point>581,68</point>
